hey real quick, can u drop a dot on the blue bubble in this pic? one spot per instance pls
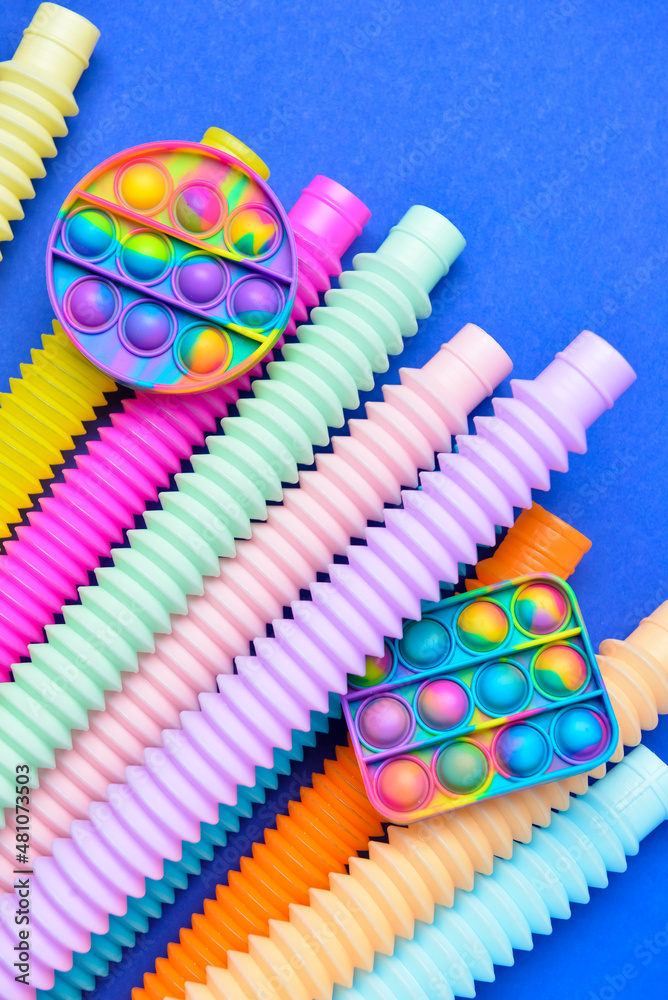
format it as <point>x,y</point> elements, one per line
<point>90,233</point>
<point>580,734</point>
<point>522,750</point>
<point>424,644</point>
<point>501,688</point>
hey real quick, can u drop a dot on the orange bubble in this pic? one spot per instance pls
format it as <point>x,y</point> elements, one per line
<point>403,784</point>
<point>203,351</point>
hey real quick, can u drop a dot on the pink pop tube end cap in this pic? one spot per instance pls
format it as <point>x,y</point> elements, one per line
<point>481,364</point>
<point>590,373</point>
<point>331,213</point>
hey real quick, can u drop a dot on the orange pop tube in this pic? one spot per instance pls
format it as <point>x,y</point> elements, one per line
<point>361,913</point>
<point>332,821</point>
<point>539,542</point>
<point>45,409</point>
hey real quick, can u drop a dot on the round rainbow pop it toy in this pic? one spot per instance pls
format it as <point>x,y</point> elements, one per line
<point>172,266</point>
<point>486,694</point>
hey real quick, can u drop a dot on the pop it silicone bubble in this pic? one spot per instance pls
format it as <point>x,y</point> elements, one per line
<point>172,267</point>
<point>486,694</point>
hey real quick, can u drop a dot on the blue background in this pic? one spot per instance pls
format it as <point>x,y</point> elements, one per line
<point>539,130</point>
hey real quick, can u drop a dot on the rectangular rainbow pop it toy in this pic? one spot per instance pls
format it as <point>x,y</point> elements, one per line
<point>488,693</point>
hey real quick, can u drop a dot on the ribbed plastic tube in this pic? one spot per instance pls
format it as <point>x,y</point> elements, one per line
<point>538,540</point>
<point>108,856</point>
<point>427,863</point>
<point>325,220</point>
<point>350,486</point>
<point>119,473</point>
<point>107,948</point>
<point>487,828</point>
<point>416,888</point>
<point>504,910</point>
<point>36,90</point>
<point>166,561</point>
<point>332,821</point>
<point>39,417</point>
<point>635,671</point>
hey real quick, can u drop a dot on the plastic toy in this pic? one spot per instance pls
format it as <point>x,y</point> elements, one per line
<point>173,267</point>
<point>216,503</point>
<point>47,406</point>
<point>641,661</point>
<point>482,696</point>
<point>116,476</point>
<point>434,857</point>
<point>520,898</point>
<point>107,948</point>
<point>160,892</point>
<point>274,692</point>
<point>396,891</point>
<point>538,542</point>
<point>210,935</point>
<point>331,821</point>
<point>641,664</point>
<point>44,410</point>
<point>368,467</point>
<point>36,90</point>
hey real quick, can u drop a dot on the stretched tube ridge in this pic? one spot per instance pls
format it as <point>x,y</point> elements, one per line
<point>298,540</point>
<point>40,416</point>
<point>540,544</point>
<point>398,894</point>
<point>198,523</point>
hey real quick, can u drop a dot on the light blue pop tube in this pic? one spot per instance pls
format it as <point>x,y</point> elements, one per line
<point>523,895</point>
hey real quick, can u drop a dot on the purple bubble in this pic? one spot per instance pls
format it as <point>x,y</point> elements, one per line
<point>384,722</point>
<point>147,327</point>
<point>201,279</point>
<point>256,302</point>
<point>92,303</point>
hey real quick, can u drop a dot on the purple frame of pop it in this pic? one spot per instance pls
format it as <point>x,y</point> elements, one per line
<point>589,699</point>
<point>138,154</point>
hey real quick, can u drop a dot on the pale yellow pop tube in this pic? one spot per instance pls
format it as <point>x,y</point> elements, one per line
<point>36,91</point>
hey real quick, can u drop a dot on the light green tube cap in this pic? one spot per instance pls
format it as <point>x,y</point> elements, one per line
<point>426,242</point>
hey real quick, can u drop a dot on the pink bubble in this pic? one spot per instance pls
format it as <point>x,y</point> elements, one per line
<point>443,704</point>
<point>384,722</point>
